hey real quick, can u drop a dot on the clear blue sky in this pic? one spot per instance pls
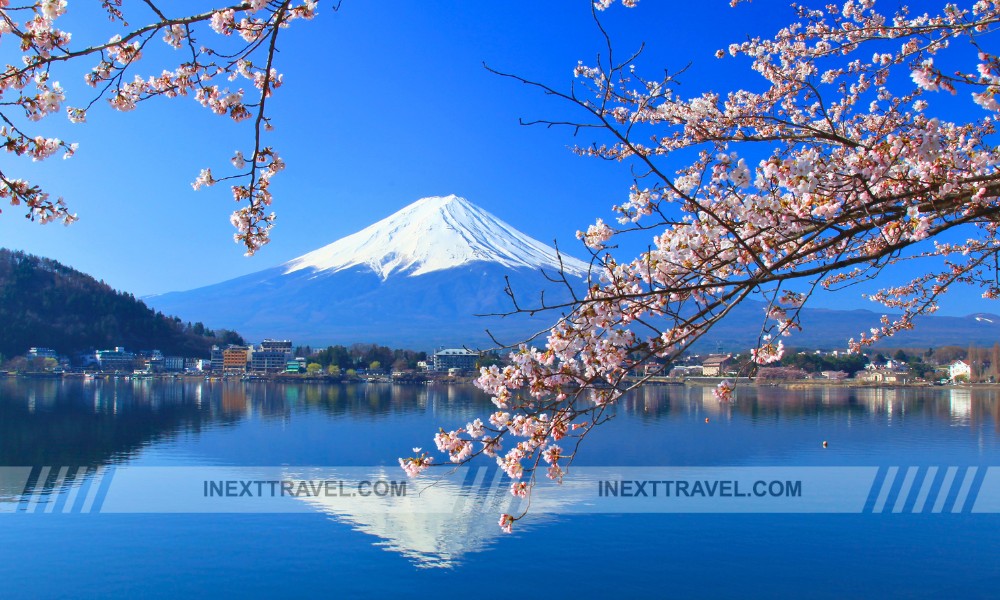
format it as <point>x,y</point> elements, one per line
<point>383,103</point>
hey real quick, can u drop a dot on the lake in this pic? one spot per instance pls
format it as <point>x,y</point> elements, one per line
<point>906,473</point>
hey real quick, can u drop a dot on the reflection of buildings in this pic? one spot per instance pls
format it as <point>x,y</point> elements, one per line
<point>234,399</point>
<point>646,402</point>
<point>835,396</point>
<point>674,401</point>
<point>960,406</point>
<point>692,402</point>
<point>69,422</point>
<point>882,401</point>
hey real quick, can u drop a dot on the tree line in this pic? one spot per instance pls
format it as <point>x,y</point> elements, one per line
<point>46,304</point>
<point>361,356</point>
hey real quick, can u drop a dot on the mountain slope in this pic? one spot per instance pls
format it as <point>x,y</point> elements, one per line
<point>830,329</point>
<point>47,304</point>
<point>417,278</point>
<point>434,234</point>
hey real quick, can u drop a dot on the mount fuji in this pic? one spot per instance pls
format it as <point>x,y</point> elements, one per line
<point>417,278</point>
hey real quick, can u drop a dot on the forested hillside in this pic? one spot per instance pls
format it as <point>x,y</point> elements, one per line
<point>44,303</point>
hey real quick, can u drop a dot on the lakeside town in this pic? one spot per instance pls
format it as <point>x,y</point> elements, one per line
<point>281,360</point>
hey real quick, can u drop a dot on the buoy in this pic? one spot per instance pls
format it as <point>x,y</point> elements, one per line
<point>706,419</point>
<point>824,443</point>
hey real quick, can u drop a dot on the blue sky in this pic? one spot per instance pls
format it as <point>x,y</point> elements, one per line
<point>383,103</point>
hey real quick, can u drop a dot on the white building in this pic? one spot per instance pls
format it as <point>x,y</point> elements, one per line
<point>115,360</point>
<point>958,369</point>
<point>455,358</point>
<point>716,365</point>
<point>272,356</point>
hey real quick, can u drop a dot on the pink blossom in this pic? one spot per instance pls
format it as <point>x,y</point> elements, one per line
<point>204,179</point>
<point>238,161</point>
<point>596,235</point>
<point>415,465</point>
<point>724,391</point>
<point>224,21</point>
<point>506,522</point>
<point>519,489</point>
<point>767,353</point>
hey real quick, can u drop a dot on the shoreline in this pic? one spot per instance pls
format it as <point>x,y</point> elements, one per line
<point>453,380</point>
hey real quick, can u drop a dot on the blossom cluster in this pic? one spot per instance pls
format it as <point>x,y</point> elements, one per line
<point>246,50</point>
<point>836,168</point>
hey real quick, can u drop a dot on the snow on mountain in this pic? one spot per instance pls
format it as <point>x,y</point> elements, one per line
<point>418,278</point>
<point>434,234</point>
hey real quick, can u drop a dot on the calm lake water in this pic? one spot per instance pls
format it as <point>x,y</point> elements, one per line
<point>339,552</point>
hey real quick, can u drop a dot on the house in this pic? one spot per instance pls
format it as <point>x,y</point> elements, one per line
<point>686,371</point>
<point>716,365</point>
<point>883,375</point>
<point>959,368</point>
<point>654,368</point>
<point>834,375</point>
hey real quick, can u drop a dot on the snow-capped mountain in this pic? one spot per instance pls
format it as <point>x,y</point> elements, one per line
<point>417,278</point>
<point>434,234</point>
<point>420,277</point>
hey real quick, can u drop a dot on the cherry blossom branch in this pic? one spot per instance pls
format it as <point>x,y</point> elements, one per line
<point>44,47</point>
<point>825,178</point>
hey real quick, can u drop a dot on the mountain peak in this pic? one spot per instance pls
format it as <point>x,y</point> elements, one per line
<point>439,202</point>
<point>433,234</point>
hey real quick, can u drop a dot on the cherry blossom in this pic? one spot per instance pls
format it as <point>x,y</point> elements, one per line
<point>244,48</point>
<point>413,466</point>
<point>506,522</point>
<point>837,166</point>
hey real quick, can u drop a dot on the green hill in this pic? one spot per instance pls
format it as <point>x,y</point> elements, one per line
<point>47,304</point>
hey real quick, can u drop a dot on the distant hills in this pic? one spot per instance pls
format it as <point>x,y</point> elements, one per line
<point>829,329</point>
<point>47,304</point>
<point>416,279</point>
<point>419,277</point>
